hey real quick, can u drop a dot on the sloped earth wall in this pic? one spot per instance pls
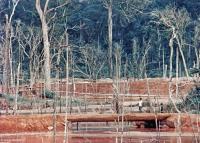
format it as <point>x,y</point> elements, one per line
<point>154,86</point>
<point>44,123</point>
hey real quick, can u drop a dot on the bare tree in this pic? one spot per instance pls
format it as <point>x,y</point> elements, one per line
<point>67,90</point>
<point>7,66</point>
<point>29,39</point>
<point>17,90</point>
<point>1,53</point>
<point>116,81</point>
<point>109,6</point>
<point>176,21</point>
<point>93,59</point>
<point>43,14</point>
<point>110,35</point>
<point>127,9</point>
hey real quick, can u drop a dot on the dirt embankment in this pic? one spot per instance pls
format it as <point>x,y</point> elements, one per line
<point>152,86</point>
<point>44,123</point>
<point>29,123</point>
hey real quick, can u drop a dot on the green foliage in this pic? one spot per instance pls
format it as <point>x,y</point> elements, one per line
<point>192,101</point>
<point>9,98</point>
<point>194,71</point>
<point>49,94</point>
<point>20,99</point>
<point>155,73</point>
<point>135,28</point>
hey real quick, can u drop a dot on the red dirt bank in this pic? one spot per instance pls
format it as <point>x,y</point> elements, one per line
<point>157,86</point>
<point>44,123</point>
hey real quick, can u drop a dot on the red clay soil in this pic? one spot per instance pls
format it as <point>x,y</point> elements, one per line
<point>44,123</point>
<point>157,86</point>
<point>186,121</point>
<point>28,123</point>
<point>59,139</point>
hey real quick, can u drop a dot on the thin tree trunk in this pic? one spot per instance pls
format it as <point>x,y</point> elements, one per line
<point>17,89</point>
<point>7,67</point>
<point>58,63</point>
<point>148,92</point>
<point>171,41</point>
<point>54,119</point>
<point>31,73</point>
<point>197,59</point>
<point>117,77</point>
<point>163,58</point>
<point>110,27</point>
<point>177,68</point>
<point>10,57</point>
<point>67,92</point>
<point>182,56</point>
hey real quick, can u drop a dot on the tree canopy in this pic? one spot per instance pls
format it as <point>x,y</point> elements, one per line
<point>141,28</point>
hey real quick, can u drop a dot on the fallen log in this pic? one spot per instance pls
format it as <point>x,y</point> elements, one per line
<point>115,117</point>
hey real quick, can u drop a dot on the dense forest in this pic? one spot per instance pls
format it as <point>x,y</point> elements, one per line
<point>93,39</point>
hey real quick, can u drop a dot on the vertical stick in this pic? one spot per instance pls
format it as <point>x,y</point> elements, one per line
<point>177,66</point>
<point>66,96</point>
<point>110,34</point>
<point>17,89</point>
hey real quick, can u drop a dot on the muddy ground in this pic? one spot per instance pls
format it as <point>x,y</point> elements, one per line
<point>39,128</point>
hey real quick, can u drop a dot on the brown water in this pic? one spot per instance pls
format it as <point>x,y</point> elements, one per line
<point>59,139</point>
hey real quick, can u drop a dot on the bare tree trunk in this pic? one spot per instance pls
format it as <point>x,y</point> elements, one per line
<point>184,62</point>
<point>159,51</point>
<point>197,57</point>
<point>58,62</point>
<point>170,85</point>
<point>110,27</point>
<point>148,92</point>
<point>117,78</point>
<point>117,86</point>
<point>197,60</point>
<point>17,89</point>
<point>171,43</point>
<point>163,58</point>
<point>46,46</point>
<point>31,74</point>
<point>7,70</point>
<point>67,92</point>
<point>54,118</point>
<point>165,71</point>
<point>46,55</point>
<point>182,55</point>
<point>177,67</point>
